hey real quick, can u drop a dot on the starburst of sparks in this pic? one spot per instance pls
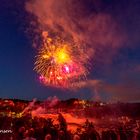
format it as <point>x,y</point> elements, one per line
<point>60,63</point>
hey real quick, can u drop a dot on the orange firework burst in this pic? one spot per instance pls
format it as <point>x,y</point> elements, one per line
<point>60,63</point>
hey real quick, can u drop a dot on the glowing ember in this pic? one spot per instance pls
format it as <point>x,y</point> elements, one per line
<point>67,69</point>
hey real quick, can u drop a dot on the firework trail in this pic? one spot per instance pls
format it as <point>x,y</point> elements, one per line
<point>60,63</point>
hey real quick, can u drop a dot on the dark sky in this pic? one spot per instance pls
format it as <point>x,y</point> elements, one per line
<point>113,76</point>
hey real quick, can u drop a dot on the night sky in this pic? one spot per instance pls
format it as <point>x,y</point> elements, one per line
<point>115,67</point>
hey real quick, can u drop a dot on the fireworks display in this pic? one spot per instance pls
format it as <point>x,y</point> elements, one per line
<point>60,63</point>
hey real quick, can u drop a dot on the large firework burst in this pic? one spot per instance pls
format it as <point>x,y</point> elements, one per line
<point>60,63</point>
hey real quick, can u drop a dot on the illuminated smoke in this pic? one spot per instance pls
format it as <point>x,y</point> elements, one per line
<point>29,107</point>
<point>51,102</point>
<point>79,19</point>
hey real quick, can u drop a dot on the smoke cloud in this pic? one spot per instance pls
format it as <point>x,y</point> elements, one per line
<point>124,92</point>
<point>80,20</point>
<point>30,106</point>
<point>51,102</point>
